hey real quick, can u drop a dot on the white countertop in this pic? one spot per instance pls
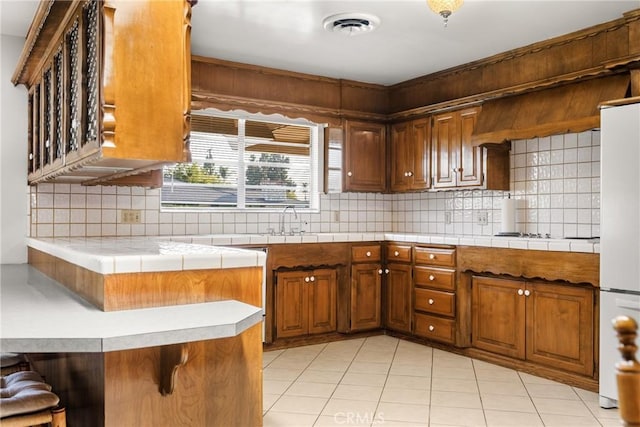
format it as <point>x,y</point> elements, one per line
<point>37,314</point>
<point>109,255</point>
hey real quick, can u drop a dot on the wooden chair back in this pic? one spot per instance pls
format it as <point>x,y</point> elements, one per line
<point>628,372</point>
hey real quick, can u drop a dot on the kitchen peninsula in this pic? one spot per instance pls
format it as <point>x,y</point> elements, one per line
<point>175,341</point>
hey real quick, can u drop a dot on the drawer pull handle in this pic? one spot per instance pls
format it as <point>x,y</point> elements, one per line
<point>432,256</point>
<point>432,277</point>
<point>368,253</point>
<point>431,301</point>
<point>431,328</point>
<point>396,253</point>
<point>520,292</point>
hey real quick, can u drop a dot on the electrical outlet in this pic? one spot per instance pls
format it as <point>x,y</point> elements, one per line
<point>131,216</point>
<point>336,216</point>
<point>447,217</point>
<point>482,217</point>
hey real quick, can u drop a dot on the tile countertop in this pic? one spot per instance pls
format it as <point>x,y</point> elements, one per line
<point>109,255</point>
<point>540,244</point>
<point>37,314</point>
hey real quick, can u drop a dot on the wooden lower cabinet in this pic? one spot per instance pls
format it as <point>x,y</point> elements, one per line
<point>434,327</point>
<point>398,298</point>
<point>306,302</point>
<point>560,330</point>
<point>498,316</point>
<point>366,300</point>
<point>543,322</point>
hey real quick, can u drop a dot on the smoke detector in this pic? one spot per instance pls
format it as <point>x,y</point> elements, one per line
<point>351,24</point>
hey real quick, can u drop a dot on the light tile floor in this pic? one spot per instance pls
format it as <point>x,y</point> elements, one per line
<point>385,381</point>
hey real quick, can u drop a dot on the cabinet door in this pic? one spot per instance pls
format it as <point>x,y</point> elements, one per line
<point>469,165</point>
<point>560,329</point>
<point>401,156</point>
<point>366,280</point>
<point>322,293</point>
<point>291,304</point>
<point>365,157</point>
<point>444,142</point>
<point>421,156</point>
<point>498,316</point>
<point>398,297</point>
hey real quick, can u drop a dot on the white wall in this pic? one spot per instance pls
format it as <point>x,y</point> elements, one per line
<point>14,192</point>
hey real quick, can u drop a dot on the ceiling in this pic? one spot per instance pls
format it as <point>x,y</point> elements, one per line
<point>410,41</point>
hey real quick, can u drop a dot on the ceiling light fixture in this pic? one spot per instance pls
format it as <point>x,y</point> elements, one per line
<point>445,8</point>
<point>351,24</point>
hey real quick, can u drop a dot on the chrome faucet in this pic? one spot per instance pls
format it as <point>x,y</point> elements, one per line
<point>284,211</point>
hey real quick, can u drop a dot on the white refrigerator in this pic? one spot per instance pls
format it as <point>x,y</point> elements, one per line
<point>619,234</point>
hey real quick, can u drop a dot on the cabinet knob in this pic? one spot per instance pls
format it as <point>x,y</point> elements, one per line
<point>432,256</point>
<point>406,174</point>
<point>368,253</point>
<point>409,173</point>
<point>431,301</point>
<point>432,328</point>
<point>349,173</point>
<point>432,277</point>
<point>520,292</point>
<point>386,271</point>
<point>396,253</point>
<point>312,278</point>
<point>30,156</point>
<point>527,293</point>
<point>46,144</point>
<point>307,279</point>
<point>380,271</point>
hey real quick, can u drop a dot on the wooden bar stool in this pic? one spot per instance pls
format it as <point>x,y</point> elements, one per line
<point>628,376</point>
<point>26,400</point>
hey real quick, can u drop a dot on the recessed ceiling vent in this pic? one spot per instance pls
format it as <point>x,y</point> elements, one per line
<point>351,24</point>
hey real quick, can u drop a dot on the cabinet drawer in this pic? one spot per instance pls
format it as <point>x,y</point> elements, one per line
<point>436,302</point>
<point>434,277</point>
<point>366,253</point>
<point>433,327</point>
<point>400,253</point>
<point>435,256</point>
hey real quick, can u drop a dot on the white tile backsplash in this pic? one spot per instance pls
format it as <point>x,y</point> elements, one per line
<point>557,178</point>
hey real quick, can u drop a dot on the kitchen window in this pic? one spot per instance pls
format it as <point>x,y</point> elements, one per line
<point>246,162</point>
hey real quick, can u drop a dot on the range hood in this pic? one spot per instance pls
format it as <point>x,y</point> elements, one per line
<point>563,109</point>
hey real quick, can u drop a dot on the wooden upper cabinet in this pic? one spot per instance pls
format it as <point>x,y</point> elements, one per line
<point>469,165</point>
<point>109,89</point>
<point>410,142</point>
<point>364,156</point>
<point>457,162</point>
<point>444,143</point>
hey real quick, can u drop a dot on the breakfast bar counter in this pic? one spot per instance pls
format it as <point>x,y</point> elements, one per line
<point>141,331</point>
<point>38,315</point>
